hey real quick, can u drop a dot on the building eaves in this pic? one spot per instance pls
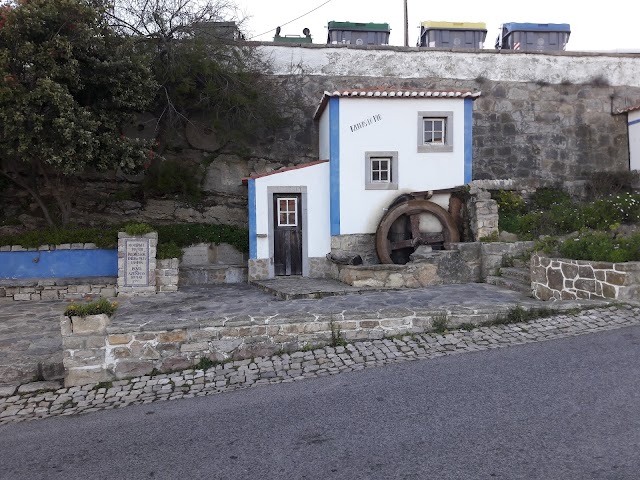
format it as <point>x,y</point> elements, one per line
<point>392,93</point>
<point>245,180</point>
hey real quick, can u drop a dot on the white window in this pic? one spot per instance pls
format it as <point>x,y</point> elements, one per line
<point>287,212</point>
<point>381,170</point>
<point>435,132</point>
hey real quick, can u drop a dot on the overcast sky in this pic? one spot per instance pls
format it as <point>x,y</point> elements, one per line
<point>606,25</point>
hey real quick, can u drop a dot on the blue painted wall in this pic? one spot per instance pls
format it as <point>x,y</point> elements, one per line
<point>59,264</point>
<point>253,238</point>
<point>468,140</point>
<point>334,164</point>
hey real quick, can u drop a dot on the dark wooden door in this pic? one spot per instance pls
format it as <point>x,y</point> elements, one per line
<point>287,234</point>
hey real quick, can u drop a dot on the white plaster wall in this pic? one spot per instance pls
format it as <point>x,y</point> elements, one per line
<point>323,128</point>
<point>398,62</point>
<point>361,209</point>
<point>634,140</point>
<point>316,179</point>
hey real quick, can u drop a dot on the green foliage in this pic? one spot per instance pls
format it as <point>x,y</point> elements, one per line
<point>547,197</point>
<point>552,212</point>
<point>187,234</point>
<point>169,250</point>
<point>490,238</point>
<point>94,308</point>
<point>69,84</point>
<point>602,246</point>
<point>510,202</point>
<point>103,237</point>
<point>440,323</point>
<point>138,228</point>
<point>518,315</point>
<point>204,364</point>
<point>173,177</point>
<point>171,238</point>
<point>337,340</point>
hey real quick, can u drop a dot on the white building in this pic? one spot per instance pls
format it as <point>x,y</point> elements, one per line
<point>375,145</point>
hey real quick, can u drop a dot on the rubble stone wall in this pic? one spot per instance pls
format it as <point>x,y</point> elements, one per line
<point>564,279</point>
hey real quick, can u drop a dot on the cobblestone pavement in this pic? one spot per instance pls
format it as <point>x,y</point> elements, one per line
<point>298,366</point>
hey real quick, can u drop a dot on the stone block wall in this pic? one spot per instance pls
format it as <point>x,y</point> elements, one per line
<point>258,269</point>
<point>96,350</point>
<point>357,244</point>
<point>466,262</point>
<point>564,279</point>
<point>56,289</point>
<point>483,213</point>
<point>167,272</point>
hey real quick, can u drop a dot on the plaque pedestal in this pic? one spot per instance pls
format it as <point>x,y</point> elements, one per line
<point>137,264</point>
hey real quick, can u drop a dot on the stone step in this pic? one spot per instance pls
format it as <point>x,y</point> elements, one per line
<point>212,274</point>
<point>522,263</point>
<point>511,284</point>
<point>516,273</point>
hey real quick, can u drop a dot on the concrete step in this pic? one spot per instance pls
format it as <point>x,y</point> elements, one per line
<point>516,273</point>
<point>511,284</point>
<point>212,274</point>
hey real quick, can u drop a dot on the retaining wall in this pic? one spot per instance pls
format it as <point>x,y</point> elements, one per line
<point>564,279</point>
<point>95,350</point>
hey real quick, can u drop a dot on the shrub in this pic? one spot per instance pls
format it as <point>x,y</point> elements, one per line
<point>172,177</point>
<point>546,197</point>
<point>612,183</point>
<point>510,202</point>
<point>601,246</point>
<point>94,308</point>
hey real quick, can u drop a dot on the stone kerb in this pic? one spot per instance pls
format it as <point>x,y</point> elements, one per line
<point>565,279</point>
<point>97,351</point>
<point>137,264</point>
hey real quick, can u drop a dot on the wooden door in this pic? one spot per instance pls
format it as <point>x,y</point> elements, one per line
<point>287,234</point>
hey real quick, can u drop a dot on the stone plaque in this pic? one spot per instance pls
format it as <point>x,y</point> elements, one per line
<point>136,262</point>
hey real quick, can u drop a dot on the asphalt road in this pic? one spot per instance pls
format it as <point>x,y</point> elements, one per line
<point>563,409</point>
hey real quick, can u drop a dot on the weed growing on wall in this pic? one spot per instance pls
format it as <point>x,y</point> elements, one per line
<point>94,308</point>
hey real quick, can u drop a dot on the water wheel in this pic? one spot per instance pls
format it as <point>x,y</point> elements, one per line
<point>410,223</point>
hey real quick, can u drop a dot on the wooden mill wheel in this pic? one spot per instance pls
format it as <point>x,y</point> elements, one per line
<point>393,245</point>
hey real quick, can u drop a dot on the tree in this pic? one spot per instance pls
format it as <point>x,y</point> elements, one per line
<point>205,70</point>
<point>69,83</point>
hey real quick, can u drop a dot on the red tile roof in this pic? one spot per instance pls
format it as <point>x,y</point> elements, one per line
<point>627,109</point>
<point>245,180</point>
<point>387,92</point>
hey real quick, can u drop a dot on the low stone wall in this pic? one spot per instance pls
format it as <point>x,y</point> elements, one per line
<point>97,351</point>
<point>57,288</point>
<point>167,272</point>
<point>466,262</point>
<point>356,244</point>
<point>563,279</point>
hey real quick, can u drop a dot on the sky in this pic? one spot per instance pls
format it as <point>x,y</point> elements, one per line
<point>607,26</point>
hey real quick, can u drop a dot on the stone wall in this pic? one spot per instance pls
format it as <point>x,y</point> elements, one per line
<point>467,262</point>
<point>482,213</point>
<point>58,288</point>
<point>97,351</point>
<point>541,116</point>
<point>357,244</point>
<point>563,279</point>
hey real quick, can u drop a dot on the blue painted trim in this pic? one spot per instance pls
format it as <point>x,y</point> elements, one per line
<point>634,122</point>
<point>59,264</point>
<point>334,164</point>
<point>253,236</point>
<point>468,140</point>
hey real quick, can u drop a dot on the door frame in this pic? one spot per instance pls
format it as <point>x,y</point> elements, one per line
<point>297,190</point>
